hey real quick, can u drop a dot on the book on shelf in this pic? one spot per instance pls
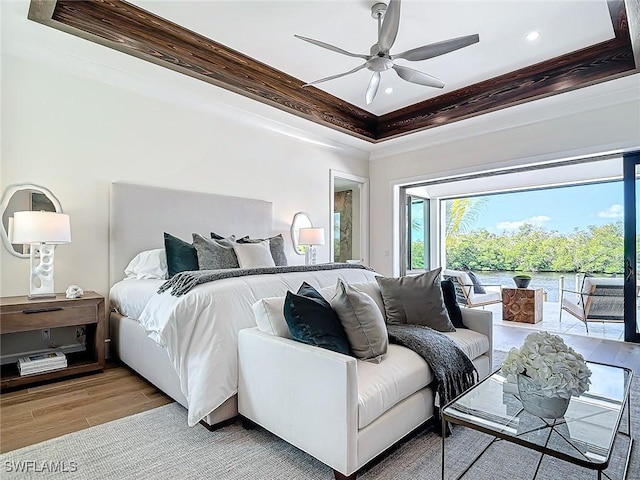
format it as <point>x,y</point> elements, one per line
<point>41,362</point>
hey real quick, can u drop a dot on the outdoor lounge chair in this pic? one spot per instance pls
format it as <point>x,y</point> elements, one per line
<point>465,292</point>
<point>601,300</point>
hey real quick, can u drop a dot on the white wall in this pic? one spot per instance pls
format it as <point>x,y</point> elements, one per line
<point>516,136</point>
<point>76,135</point>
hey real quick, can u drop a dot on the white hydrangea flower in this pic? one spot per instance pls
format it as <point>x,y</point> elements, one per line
<point>547,360</point>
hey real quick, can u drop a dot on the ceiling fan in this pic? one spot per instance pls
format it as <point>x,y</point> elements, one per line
<point>380,58</point>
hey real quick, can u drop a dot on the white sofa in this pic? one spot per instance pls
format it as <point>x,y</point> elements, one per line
<point>341,410</point>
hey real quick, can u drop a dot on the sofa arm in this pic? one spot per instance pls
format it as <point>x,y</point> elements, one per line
<point>480,321</point>
<point>306,395</point>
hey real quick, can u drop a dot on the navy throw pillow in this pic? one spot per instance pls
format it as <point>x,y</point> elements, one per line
<point>181,256</point>
<point>477,286</point>
<point>311,320</point>
<point>451,303</point>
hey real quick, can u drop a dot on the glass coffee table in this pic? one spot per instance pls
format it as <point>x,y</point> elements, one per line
<point>584,436</point>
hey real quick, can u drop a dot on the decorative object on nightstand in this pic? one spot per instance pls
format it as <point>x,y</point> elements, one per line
<point>87,314</point>
<point>74,291</point>
<point>311,237</point>
<point>43,231</point>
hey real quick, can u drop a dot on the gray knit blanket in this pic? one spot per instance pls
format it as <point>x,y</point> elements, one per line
<point>452,369</point>
<point>182,282</point>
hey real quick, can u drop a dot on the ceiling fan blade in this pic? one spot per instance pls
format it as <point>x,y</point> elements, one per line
<point>390,25</point>
<point>440,48</point>
<point>372,89</point>
<point>331,47</point>
<point>335,76</point>
<point>414,76</point>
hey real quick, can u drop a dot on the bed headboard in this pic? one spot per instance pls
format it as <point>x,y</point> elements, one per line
<point>140,215</point>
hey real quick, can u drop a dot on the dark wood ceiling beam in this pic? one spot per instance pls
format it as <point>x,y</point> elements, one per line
<point>598,63</point>
<point>132,30</point>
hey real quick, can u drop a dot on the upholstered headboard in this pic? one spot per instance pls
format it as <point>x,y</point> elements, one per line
<point>140,215</point>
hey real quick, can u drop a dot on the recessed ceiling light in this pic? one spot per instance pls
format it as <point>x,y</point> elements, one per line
<point>531,36</point>
<point>388,90</point>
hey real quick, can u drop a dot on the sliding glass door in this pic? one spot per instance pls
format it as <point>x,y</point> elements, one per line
<point>631,246</point>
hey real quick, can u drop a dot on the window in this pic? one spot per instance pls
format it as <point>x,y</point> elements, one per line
<point>417,233</point>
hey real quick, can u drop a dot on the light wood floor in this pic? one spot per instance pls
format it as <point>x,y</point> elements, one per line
<point>36,414</point>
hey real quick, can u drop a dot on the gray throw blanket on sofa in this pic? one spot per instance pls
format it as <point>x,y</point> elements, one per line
<point>453,370</point>
<point>182,282</point>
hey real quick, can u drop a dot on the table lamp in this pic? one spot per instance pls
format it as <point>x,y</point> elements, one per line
<point>43,231</point>
<point>310,237</point>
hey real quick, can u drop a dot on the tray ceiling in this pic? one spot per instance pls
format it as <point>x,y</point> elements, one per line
<point>248,47</point>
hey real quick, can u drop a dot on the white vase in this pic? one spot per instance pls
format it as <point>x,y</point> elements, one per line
<point>535,403</point>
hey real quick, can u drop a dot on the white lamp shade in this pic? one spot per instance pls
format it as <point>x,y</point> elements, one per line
<point>311,236</point>
<point>41,227</point>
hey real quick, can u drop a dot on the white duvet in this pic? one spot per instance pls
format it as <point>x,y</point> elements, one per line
<point>199,330</point>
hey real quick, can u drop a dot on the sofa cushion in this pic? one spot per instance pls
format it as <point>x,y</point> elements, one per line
<point>464,282</point>
<point>477,286</point>
<point>486,297</point>
<point>415,300</point>
<point>269,312</point>
<point>311,320</point>
<point>373,290</point>
<point>269,316</point>
<point>451,303</point>
<point>403,372</point>
<point>573,306</point>
<point>362,321</point>
<point>472,343</point>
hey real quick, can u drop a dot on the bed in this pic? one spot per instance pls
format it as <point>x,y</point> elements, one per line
<point>197,365</point>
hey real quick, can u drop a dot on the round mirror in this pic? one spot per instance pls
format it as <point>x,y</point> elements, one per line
<point>22,197</point>
<point>300,220</point>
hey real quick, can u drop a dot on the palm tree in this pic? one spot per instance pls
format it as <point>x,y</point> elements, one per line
<point>462,213</point>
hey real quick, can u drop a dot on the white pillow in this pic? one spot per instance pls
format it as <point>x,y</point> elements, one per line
<point>269,315</point>
<point>254,255</point>
<point>148,265</point>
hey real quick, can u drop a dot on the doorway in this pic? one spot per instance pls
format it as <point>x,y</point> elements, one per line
<point>349,218</point>
<point>540,184</point>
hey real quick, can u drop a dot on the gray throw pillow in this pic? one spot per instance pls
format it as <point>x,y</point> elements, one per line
<point>416,300</point>
<point>362,322</point>
<point>276,245</point>
<point>214,254</point>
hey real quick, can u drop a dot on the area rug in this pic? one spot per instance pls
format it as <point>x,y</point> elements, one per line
<point>158,444</point>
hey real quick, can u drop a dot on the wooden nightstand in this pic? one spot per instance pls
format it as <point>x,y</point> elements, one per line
<point>18,314</point>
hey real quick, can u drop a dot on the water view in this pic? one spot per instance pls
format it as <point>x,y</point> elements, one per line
<point>548,281</point>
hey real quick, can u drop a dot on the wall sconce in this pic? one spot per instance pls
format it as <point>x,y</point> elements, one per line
<point>43,231</point>
<point>311,237</point>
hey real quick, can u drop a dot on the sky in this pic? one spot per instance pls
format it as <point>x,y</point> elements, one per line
<point>560,209</point>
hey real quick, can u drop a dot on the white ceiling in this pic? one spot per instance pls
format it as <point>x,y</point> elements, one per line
<point>264,30</point>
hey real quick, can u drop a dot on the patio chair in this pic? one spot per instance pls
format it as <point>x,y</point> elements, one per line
<point>601,300</point>
<point>465,293</point>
